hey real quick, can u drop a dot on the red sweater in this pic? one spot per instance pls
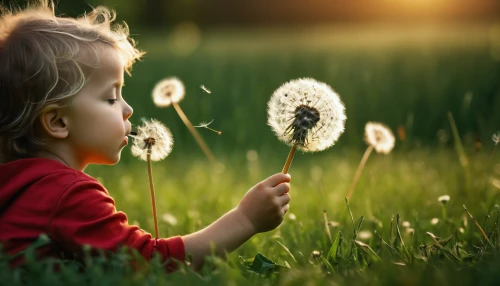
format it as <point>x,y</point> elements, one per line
<point>44,196</point>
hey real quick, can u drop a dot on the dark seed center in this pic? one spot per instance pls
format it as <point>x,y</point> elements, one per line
<point>305,119</point>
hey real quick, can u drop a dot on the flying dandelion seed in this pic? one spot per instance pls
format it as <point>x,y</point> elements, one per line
<point>307,115</point>
<point>379,137</point>
<point>205,125</point>
<point>153,142</point>
<point>170,91</point>
<point>205,89</point>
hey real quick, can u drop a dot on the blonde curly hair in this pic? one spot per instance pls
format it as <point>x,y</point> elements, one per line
<point>45,60</point>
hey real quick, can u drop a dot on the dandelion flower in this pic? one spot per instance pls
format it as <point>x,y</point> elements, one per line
<point>307,115</point>
<point>365,235</point>
<point>153,142</point>
<point>380,137</point>
<point>496,137</point>
<point>444,199</point>
<point>168,91</point>
<point>154,138</point>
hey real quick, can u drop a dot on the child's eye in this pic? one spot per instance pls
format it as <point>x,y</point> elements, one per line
<point>112,101</point>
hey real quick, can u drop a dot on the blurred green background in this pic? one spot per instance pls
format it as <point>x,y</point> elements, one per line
<point>403,63</point>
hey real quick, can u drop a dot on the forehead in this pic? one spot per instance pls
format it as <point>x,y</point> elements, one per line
<point>109,64</point>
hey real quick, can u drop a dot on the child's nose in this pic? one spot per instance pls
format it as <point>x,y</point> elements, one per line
<point>127,111</point>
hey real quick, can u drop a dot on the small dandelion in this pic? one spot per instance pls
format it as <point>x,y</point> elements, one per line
<point>307,115</point>
<point>152,139</point>
<point>153,142</point>
<point>379,137</point>
<point>205,89</point>
<point>496,139</point>
<point>169,218</point>
<point>410,230</point>
<point>444,199</point>
<point>170,91</point>
<point>292,216</point>
<point>405,224</point>
<point>365,235</point>
<point>205,125</point>
<point>434,221</point>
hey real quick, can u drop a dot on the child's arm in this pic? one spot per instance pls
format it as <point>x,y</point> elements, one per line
<point>261,209</point>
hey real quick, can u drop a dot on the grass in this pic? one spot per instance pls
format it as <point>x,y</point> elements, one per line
<point>411,84</point>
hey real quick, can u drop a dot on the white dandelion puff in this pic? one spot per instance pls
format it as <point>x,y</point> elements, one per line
<point>169,218</point>
<point>365,235</point>
<point>306,113</point>
<point>205,89</point>
<point>405,224</point>
<point>170,91</point>
<point>496,137</point>
<point>167,91</point>
<point>380,137</point>
<point>152,138</point>
<point>444,199</point>
<point>434,221</point>
<point>152,142</point>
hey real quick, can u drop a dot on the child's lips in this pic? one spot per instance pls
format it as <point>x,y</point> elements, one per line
<point>125,139</point>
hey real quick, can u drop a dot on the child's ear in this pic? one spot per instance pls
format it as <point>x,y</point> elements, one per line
<point>53,121</point>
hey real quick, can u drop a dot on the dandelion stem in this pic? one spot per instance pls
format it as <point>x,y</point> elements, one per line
<point>152,191</point>
<point>359,171</point>
<point>491,154</point>
<point>289,159</point>
<point>195,133</point>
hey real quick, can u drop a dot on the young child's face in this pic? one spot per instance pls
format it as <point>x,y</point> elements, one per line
<point>98,115</point>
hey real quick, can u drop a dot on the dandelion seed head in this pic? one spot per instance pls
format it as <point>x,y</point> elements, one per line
<point>365,235</point>
<point>169,218</point>
<point>152,136</point>
<point>380,137</point>
<point>306,113</point>
<point>167,91</point>
<point>410,230</point>
<point>434,221</point>
<point>444,199</point>
<point>405,224</point>
<point>496,137</point>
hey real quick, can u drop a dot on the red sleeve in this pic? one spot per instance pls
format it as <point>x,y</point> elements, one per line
<point>86,214</point>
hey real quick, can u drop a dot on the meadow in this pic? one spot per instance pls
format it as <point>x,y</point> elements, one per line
<point>393,231</point>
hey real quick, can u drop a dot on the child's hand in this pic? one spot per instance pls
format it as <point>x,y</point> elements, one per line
<point>264,205</point>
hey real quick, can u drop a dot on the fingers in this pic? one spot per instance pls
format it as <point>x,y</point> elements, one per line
<point>283,199</point>
<point>285,208</point>
<point>276,179</point>
<point>281,189</point>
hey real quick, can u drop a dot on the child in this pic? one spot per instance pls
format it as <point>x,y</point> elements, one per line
<point>61,109</point>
